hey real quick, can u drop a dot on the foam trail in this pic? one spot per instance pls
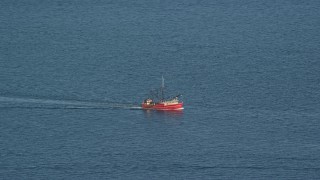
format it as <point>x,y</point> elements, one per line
<point>73,103</point>
<point>135,107</point>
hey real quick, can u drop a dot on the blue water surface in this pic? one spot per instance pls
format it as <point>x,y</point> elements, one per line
<point>73,73</point>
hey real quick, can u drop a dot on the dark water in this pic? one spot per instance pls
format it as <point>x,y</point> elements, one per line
<point>70,71</point>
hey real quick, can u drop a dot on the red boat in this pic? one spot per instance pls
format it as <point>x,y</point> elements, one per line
<point>172,104</point>
<point>162,104</point>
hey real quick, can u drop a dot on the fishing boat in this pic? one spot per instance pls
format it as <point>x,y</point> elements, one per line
<point>163,104</point>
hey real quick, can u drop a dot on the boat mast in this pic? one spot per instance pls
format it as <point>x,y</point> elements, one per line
<point>162,89</point>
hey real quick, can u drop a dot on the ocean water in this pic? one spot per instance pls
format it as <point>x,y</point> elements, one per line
<point>73,73</point>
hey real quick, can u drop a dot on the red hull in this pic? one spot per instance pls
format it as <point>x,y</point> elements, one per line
<point>162,106</point>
